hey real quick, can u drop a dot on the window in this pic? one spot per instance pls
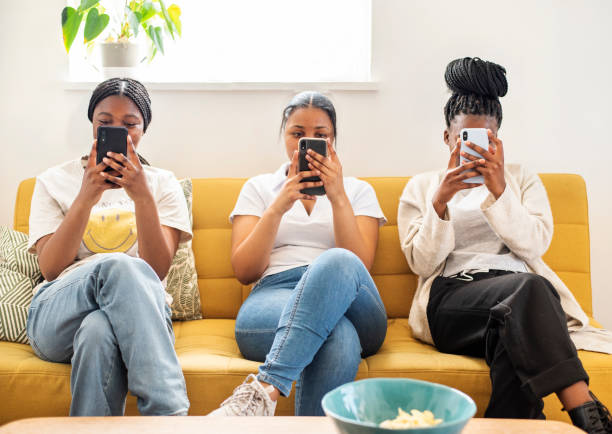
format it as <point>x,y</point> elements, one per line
<point>255,41</point>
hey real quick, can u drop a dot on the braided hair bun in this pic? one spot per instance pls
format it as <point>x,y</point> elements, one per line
<point>474,75</point>
<point>476,87</point>
<point>129,87</point>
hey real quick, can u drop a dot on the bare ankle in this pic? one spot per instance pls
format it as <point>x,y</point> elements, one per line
<point>575,395</point>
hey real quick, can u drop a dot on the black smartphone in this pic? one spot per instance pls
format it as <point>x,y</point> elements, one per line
<point>111,139</point>
<point>320,147</point>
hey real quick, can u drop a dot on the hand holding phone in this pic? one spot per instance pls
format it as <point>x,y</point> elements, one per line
<point>111,139</point>
<point>477,136</point>
<point>320,147</point>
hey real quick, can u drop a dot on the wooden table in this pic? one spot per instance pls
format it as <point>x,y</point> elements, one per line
<point>246,425</point>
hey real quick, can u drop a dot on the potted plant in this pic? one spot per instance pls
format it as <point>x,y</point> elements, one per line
<point>121,49</point>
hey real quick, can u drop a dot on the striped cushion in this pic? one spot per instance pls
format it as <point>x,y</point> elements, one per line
<point>19,273</point>
<point>14,254</point>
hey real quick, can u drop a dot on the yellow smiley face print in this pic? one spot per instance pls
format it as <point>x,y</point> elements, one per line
<point>110,230</point>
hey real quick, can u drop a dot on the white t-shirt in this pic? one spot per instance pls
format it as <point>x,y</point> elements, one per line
<point>302,237</point>
<point>477,246</point>
<point>112,222</point>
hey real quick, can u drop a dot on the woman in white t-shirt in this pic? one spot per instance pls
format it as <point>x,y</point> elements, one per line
<point>484,290</point>
<point>315,310</point>
<point>105,241</point>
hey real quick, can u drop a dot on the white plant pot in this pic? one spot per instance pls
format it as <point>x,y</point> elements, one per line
<point>120,54</point>
<point>120,59</point>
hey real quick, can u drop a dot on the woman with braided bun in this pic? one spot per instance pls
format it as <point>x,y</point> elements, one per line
<point>484,290</point>
<point>105,241</point>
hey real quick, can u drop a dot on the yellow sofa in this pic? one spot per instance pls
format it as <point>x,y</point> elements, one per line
<point>208,352</point>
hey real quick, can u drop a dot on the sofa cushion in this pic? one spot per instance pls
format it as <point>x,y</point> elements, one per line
<point>182,279</point>
<point>14,254</point>
<point>213,367</point>
<point>15,297</point>
<point>19,274</point>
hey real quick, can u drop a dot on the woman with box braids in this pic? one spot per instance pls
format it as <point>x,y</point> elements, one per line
<point>475,234</point>
<point>130,88</point>
<point>105,234</point>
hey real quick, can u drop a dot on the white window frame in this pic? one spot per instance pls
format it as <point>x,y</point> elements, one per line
<point>364,83</point>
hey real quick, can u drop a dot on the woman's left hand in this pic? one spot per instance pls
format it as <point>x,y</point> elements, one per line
<point>129,171</point>
<point>493,168</point>
<point>331,172</point>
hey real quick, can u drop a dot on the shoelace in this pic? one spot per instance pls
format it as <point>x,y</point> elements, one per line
<point>604,416</point>
<point>245,400</point>
<point>594,417</point>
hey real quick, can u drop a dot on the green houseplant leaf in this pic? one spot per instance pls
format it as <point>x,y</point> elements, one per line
<point>95,23</point>
<point>71,20</point>
<point>147,10</point>
<point>169,23</point>
<point>175,13</point>
<point>86,4</point>
<point>155,33</point>
<point>150,16</point>
<point>134,18</point>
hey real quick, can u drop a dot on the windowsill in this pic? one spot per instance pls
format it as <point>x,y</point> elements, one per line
<point>357,86</point>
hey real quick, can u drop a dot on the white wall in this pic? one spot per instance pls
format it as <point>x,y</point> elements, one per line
<point>556,115</point>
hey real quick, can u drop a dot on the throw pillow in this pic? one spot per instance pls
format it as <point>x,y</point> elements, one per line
<point>182,279</point>
<point>19,274</point>
<point>14,254</point>
<point>15,297</point>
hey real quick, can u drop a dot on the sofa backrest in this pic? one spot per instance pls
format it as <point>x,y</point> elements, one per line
<point>221,294</point>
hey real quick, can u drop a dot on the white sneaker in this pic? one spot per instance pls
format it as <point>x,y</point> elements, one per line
<point>248,399</point>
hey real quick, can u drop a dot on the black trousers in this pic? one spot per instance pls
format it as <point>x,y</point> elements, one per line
<point>515,321</point>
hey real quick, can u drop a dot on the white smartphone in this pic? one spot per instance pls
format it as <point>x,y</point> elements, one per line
<point>479,137</point>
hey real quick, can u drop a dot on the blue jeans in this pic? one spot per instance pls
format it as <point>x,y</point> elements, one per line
<point>312,325</point>
<point>110,319</point>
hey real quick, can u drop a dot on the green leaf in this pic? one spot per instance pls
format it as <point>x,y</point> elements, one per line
<point>175,15</point>
<point>155,33</point>
<point>71,20</point>
<point>164,13</point>
<point>134,20</point>
<point>147,10</point>
<point>86,4</point>
<point>95,24</point>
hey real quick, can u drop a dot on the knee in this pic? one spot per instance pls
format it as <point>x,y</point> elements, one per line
<point>95,332</point>
<point>536,288</point>
<point>126,274</point>
<point>342,347</point>
<point>340,263</point>
<point>528,292</point>
<point>124,265</point>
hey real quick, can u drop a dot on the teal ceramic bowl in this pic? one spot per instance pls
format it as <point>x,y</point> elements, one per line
<point>359,407</point>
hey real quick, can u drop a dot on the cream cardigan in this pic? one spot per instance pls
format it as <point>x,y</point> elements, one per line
<point>521,217</point>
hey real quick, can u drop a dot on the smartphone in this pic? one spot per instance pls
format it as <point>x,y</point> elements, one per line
<point>320,147</point>
<point>111,139</point>
<point>477,136</point>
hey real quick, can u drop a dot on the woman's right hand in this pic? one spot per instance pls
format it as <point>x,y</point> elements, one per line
<point>93,184</point>
<point>291,189</point>
<point>453,180</point>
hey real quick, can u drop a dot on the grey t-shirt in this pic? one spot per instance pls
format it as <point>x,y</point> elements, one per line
<point>477,246</point>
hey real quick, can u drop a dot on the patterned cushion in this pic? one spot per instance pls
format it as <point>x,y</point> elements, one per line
<point>19,274</point>
<point>182,280</point>
<point>14,254</point>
